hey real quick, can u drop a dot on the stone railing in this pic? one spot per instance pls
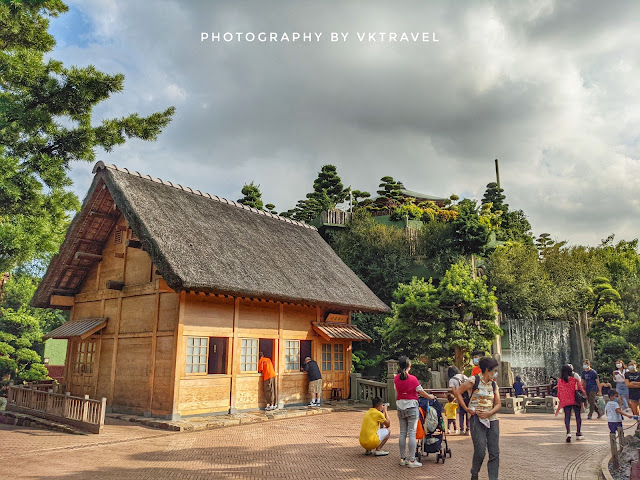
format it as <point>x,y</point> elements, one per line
<point>83,413</point>
<point>365,390</point>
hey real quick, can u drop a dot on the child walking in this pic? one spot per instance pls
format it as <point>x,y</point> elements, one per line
<point>614,412</point>
<point>450,410</point>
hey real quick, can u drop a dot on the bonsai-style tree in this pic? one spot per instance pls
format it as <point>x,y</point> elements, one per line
<point>390,189</point>
<point>494,195</point>
<point>252,196</point>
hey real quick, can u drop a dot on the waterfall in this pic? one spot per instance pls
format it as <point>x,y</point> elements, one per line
<point>537,349</point>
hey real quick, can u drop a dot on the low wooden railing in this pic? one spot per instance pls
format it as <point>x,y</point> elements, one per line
<point>335,217</point>
<point>83,413</point>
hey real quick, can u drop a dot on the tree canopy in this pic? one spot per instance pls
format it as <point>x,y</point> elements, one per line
<point>252,196</point>
<point>45,124</point>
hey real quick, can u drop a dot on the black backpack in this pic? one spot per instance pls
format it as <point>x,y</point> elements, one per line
<point>475,387</point>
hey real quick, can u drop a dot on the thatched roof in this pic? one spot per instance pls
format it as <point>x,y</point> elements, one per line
<point>200,242</point>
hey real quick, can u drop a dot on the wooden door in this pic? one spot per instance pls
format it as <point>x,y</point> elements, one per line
<point>333,369</point>
<point>83,373</point>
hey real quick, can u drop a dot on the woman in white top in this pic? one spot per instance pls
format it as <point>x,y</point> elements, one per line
<point>621,386</point>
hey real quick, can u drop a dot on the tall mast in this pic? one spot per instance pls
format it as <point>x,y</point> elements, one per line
<point>497,174</point>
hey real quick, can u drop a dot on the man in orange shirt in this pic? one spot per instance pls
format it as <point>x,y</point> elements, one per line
<point>269,376</point>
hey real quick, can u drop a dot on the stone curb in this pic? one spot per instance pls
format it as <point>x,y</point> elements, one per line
<point>605,468</point>
<point>197,424</point>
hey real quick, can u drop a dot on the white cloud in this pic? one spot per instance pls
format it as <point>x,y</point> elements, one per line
<point>549,88</point>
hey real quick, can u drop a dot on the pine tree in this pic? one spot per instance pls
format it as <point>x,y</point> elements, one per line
<point>328,190</point>
<point>252,196</point>
<point>494,195</point>
<point>389,188</point>
<point>45,124</point>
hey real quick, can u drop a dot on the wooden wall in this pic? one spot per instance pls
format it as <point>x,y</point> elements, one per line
<point>141,354</point>
<point>135,362</point>
<point>235,319</point>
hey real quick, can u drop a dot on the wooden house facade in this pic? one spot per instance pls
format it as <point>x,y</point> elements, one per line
<point>173,293</point>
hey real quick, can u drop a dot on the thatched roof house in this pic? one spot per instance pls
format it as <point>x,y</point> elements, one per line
<point>154,266</point>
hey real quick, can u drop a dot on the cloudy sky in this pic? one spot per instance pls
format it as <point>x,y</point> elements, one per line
<point>548,87</point>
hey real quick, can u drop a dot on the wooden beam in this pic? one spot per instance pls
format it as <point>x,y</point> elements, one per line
<point>179,359</point>
<point>134,244</point>
<point>154,343</point>
<point>87,256</point>
<point>61,301</point>
<point>101,215</point>
<point>235,362</point>
<point>114,285</point>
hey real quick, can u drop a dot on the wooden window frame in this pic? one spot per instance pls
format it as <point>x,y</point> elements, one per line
<point>252,355</point>
<point>338,357</point>
<point>287,349</point>
<point>85,357</point>
<point>199,355</point>
<point>327,357</point>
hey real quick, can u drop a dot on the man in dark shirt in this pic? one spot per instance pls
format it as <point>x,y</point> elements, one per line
<point>591,384</point>
<point>315,381</point>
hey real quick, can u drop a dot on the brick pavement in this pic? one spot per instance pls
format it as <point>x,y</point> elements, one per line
<point>323,446</point>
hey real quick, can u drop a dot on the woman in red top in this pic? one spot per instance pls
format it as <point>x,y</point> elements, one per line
<point>408,388</point>
<point>567,386</point>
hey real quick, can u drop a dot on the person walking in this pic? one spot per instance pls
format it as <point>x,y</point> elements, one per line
<point>592,386</point>
<point>482,409</point>
<point>621,384</point>
<point>408,389</point>
<point>315,380</point>
<point>632,380</point>
<point>265,366</point>
<point>455,380</point>
<point>569,401</point>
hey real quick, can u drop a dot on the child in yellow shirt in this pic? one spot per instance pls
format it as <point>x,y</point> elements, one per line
<point>450,410</point>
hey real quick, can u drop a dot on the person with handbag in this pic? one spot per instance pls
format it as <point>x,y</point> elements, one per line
<point>571,395</point>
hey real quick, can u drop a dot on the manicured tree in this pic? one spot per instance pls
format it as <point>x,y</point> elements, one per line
<point>611,349</point>
<point>271,208</point>
<point>494,195</point>
<point>390,189</point>
<point>21,329</point>
<point>608,322</point>
<point>328,190</point>
<point>603,293</point>
<point>360,198</point>
<point>252,196</point>
<point>46,123</point>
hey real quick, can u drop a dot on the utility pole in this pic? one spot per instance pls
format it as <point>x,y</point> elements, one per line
<point>497,174</point>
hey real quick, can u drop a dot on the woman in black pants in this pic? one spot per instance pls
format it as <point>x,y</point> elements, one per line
<point>567,387</point>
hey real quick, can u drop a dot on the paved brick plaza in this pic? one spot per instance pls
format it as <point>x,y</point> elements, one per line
<point>532,447</point>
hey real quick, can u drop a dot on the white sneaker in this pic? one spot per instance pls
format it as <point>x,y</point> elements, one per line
<point>414,464</point>
<point>403,462</point>
<point>568,438</point>
<point>380,453</point>
<point>579,437</point>
<point>312,404</point>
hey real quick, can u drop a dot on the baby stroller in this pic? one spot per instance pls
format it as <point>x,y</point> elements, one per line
<point>431,433</point>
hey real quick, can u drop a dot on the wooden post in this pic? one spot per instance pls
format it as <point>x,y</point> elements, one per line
<point>66,405</point>
<point>49,407</point>
<point>281,352</point>
<point>620,438</point>
<point>103,410</point>
<point>85,409</point>
<point>179,360</point>
<point>235,347</point>
<point>614,451</point>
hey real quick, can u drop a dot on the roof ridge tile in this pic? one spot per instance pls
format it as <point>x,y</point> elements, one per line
<point>108,166</point>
